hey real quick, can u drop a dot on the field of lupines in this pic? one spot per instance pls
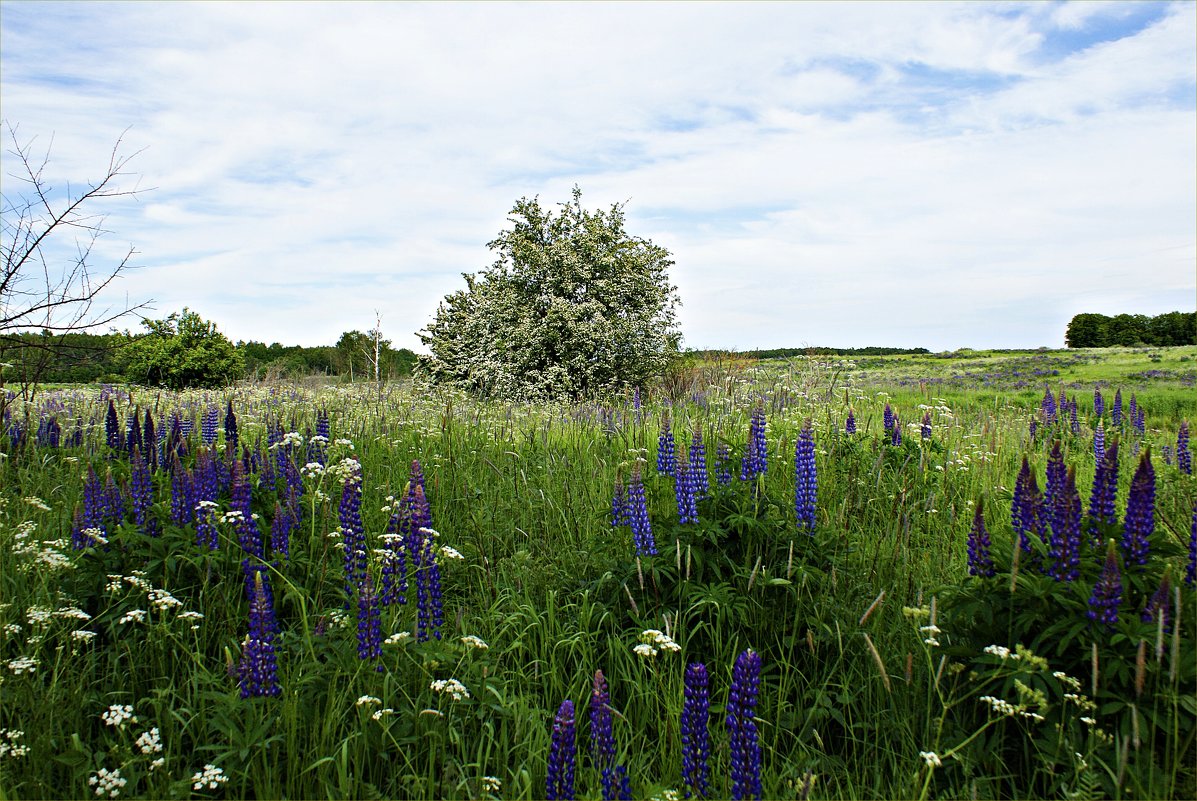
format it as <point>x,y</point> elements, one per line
<point>953,577</point>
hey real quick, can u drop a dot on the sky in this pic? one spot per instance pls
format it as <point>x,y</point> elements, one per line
<point>933,175</point>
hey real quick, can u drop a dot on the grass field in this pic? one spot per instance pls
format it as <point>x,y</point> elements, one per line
<point>137,659</point>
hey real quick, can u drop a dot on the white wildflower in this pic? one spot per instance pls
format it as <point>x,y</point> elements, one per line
<point>379,714</point>
<point>931,758</point>
<point>451,687</point>
<point>133,616</point>
<point>211,776</point>
<point>368,700</point>
<point>490,784</point>
<point>150,742</point>
<point>398,637</point>
<point>107,782</point>
<point>118,715</point>
<point>23,664</point>
<point>450,553</point>
<point>474,642</point>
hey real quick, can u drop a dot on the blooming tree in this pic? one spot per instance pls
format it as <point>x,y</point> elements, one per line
<point>573,306</point>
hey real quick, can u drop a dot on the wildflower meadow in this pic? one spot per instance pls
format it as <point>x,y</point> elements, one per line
<point>963,575</point>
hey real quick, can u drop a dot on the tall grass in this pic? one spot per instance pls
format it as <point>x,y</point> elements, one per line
<point>856,690</point>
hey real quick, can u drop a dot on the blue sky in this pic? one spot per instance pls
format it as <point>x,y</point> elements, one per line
<point>908,174</point>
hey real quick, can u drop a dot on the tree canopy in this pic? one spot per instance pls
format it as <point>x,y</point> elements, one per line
<point>182,351</point>
<point>1099,331</point>
<point>573,306</point>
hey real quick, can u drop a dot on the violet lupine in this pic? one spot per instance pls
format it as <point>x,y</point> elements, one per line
<point>241,500</point>
<point>559,781</point>
<point>1034,427</point>
<point>1184,457</point>
<point>1065,544</point>
<point>642,530</point>
<point>619,504</point>
<point>1132,408</point>
<point>91,516</point>
<point>280,530</point>
<point>259,662</point>
<point>114,502</point>
<point>1021,516</point>
<point>665,448</point>
<point>741,728</point>
<point>430,615</point>
<point>1139,421</point>
<point>980,562</point>
<point>230,428</point>
<point>1116,409</point>
<point>896,435</point>
<point>696,738</point>
<point>112,428</point>
<point>755,461</point>
<point>698,463</point>
<point>888,420</point>
<point>1099,403</point>
<point>1057,472</point>
<point>1047,408</point>
<point>149,441</point>
<point>723,474</point>
<point>133,432</point>
<point>353,533</point>
<point>182,510</point>
<point>369,623</point>
<point>1102,511</point>
<point>1074,422</point>
<point>602,738</point>
<point>925,427</point>
<point>209,426</point>
<point>806,479</point>
<point>1191,568</point>
<point>1160,604</point>
<point>1139,523</point>
<point>1099,442</point>
<point>141,490</point>
<point>1107,592</point>
<point>850,423</point>
<point>684,490</point>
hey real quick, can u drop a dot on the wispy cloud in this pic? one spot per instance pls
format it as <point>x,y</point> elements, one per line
<point>911,174</point>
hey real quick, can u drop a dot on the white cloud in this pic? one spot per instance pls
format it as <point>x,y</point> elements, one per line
<point>833,174</point>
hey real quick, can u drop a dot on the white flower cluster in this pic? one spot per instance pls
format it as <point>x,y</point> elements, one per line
<point>379,714</point>
<point>450,553</point>
<point>931,758</point>
<point>133,616</point>
<point>233,516</point>
<point>368,700</point>
<point>346,469</point>
<point>118,715</point>
<point>653,641</point>
<point>107,782</point>
<point>211,776</point>
<point>22,664</point>
<point>36,502</point>
<point>312,470</point>
<point>451,687</point>
<point>150,742</point>
<point>9,747</point>
<point>490,784</point>
<point>474,642</point>
<point>1000,651</point>
<point>83,635</point>
<point>291,438</point>
<point>930,631</point>
<point>397,638</point>
<point>163,600</point>
<point>1003,707</point>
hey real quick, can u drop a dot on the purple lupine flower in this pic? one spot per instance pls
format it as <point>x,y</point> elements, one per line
<point>230,428</point>
<point>980,562</point>
<point>1022,516</point>
<point>1184,457</point>
<point>636,399</point>
<point>1047,408</point>
<point>616,784</point>
<point>756,430</point>
<point>1099,403</point>
<point>112,428</point>
<point>1139,523</point>
<point>1132,408</point>
<point>1034,428</point>
<point>665,447</point>
<point>1074,422</point>
<point>741,729</point>
<point>248,534</point>
<point>684,490</point>
<point>141,489</point>
<point>806,479</point>
<point>91,516</point>
<point>1105,486</point>
<point>114,503</point>
<point>259,662</point>
<point>850,423</point>
<point>1160,604</point>
<point>925,428</point>
<point>369,624</point>
<point>280,530</point>
<point>602,738</point>
<point>723,475</point>
<point>642,530</point>
<point>888,420</point>
<point>394,564</point>
<point>209,426</point>
<point>698,464</point>
<point>696,738</point>
<point>353,533</point>
<point>1065,545</point>
<point>1116,409</point>
<point>895,438</point>
<point>1191,568</point>
<point>619,504</point>
<point>559,782</point>
<point>181,495</point>
<point>149,441</point>
<point>133,432</point>
<point>1107,592</point>
<point>1139,421</point>
<point>1099,443</point>
<point>430,614</point>
<point>1056,475</point>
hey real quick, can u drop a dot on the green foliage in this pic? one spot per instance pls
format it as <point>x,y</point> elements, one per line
<point>573,306</point>
<point>180,352</point>
<point>1100,331</point>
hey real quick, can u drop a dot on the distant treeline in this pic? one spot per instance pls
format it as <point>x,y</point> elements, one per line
<point>787,353</point>
<point>1128,330</point>
<point>83,358</point>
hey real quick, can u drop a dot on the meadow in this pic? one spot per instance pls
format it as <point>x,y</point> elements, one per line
<point>802,578</point>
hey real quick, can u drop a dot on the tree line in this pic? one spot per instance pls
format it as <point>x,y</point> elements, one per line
<point>1128,330</point>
